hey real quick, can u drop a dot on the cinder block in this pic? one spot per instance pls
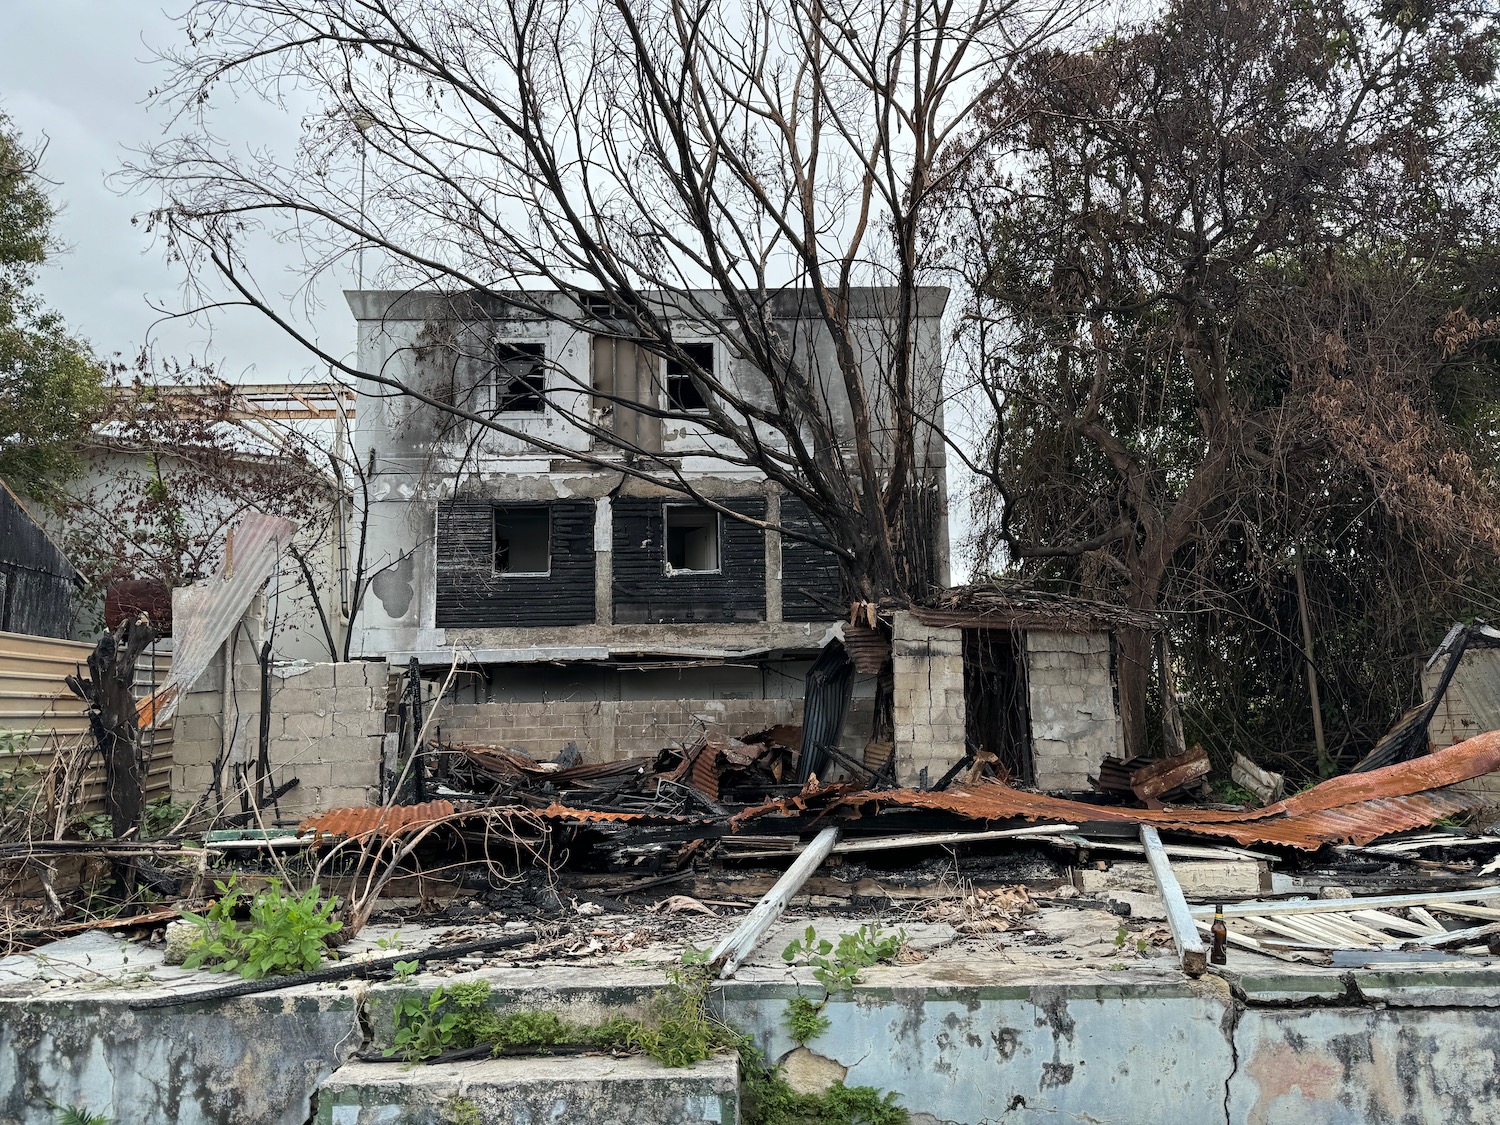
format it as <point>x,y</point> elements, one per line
<point>310,775</point>
<point>348,796</point>
<point>309,677</point>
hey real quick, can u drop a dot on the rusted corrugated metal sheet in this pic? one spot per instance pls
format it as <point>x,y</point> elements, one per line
<point>868,648</point>
<point>1355,808</point>
<point>499,761</point>
<point>215,607</point>
<point>381,821</point>
<point>556,811</point>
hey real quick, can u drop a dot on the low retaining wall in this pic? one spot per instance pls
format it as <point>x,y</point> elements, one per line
<point>957,1046</point>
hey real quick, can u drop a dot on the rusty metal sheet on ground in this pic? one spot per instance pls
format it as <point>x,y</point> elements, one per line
<point>380,821</point>
<point>1355,808</point>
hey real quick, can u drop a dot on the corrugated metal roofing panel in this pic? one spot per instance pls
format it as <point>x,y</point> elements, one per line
<point>216,606</point>
<point>868,648</point>
<point>387,820</point>
<point>555,811</point>
<point>1355,808</point>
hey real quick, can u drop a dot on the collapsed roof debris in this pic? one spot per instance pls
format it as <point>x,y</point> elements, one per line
<point>1356,808</point>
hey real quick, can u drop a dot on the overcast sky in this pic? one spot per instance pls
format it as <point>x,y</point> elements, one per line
<point>76,73</point>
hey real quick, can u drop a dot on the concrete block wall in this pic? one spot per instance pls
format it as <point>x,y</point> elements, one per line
<point>928,666</point>
<point>1075,723</point>
<point>607,730</point>
<point>1470,706</point>
<point>327,726</point>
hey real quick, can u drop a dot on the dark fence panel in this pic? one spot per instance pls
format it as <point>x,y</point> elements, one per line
<point>37,583</point>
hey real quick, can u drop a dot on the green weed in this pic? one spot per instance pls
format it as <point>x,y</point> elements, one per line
<point>285,933</point>
<point>838,966</point>
<point>73,1115</point>
<point>766,1099</point>
<point>804,1020</point>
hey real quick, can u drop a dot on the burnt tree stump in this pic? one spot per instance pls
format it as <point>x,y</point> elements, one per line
<point>110,694</point>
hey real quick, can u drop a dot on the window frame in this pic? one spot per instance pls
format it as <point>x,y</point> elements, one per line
<point>501,393</point>
<point>666,547</point>
<point>499,507</point>
<point>712,367</point>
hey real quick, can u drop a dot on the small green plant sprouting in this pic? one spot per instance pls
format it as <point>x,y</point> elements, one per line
<point>1140,947</point>
<point>838,966</point>
<point>73,1115</point>
<point>459,1110</point>
<point>285,933</point>
<point>404,969</point>
<point>1232,794</point>
<point>692,956</point>
<point>421,1032</point>
<point>678,1031</point>
<point>161,817</point>
<point>390,941</point>
<point>804,1020</point>
<point>1120,937</point>
<point>769,1100</point>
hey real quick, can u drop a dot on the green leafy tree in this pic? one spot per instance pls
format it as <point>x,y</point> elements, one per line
<point>51,387</point>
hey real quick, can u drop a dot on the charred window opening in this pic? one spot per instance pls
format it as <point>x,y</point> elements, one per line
<point>692,538</point>
<point>598,305</point>
<point>521,377</point>
<point>523,540</point>
<point>682,392</point>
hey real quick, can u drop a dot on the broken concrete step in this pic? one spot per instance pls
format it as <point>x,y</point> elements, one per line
<point>585,1088</point>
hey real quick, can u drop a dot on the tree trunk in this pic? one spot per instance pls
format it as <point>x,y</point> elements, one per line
<point>1134,652</point>
<point>110,695</point>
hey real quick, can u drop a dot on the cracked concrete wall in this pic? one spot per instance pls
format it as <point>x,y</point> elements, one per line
<point>253,1059</point>
<point>958,1047</point>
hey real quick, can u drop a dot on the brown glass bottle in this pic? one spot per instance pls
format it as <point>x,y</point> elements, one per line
<point>1218,952</point>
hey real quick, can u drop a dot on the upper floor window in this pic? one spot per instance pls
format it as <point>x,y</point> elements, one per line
<point>682,392</point>
<point>521,376</point>
<point>523,539</point>
<point>692,537</point>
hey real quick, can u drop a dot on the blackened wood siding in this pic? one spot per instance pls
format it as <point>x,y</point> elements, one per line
<point>470,595</point>
<point>808,573</point>
<point>37,582</point>
<point>645,592</point>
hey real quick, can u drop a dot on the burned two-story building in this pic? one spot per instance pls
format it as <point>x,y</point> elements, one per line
<point>574,600</point>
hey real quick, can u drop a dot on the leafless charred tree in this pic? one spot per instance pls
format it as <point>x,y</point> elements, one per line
<point>664,162</point>
<point>109,692</point>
